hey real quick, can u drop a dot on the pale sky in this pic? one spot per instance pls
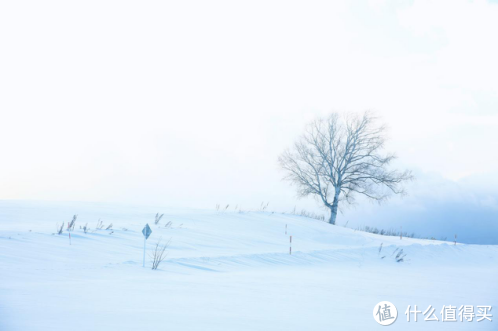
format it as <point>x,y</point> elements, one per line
<point>189,103</point>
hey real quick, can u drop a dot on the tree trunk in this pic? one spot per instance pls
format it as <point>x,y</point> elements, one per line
<point>333,210</point>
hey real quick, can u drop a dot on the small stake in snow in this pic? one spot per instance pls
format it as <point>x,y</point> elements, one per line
<point>146,231</point>
<point>69,238</point>
<point>455,239</point>
<point>401,233</point>
<point>286,229</point>
<point>290,245</point>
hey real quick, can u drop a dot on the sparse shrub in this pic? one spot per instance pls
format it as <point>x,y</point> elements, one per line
<point>400,256</point>
<point>394,233</point>
<point>382,232</point>
<point>159,254</point>
<point>158,218</point>
<point>59,230</point>
<point>380,251</point>
<point>100,225</point>
<point>70,225</point>
<point>109,227</point>
<point>85,228</point>
<point>308,214</point>
<point>168,225</point>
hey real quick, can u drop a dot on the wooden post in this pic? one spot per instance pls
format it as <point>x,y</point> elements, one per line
<point>290,245</point>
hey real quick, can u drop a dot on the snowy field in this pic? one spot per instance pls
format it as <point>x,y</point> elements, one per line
<point>225,271</point>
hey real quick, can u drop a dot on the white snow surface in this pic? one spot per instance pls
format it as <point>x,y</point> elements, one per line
<point>225,270</point>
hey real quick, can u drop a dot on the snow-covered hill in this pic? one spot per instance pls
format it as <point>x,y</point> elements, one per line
<point>225,271</point>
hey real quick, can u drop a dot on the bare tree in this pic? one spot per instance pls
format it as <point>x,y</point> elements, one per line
<point>341,156</point>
